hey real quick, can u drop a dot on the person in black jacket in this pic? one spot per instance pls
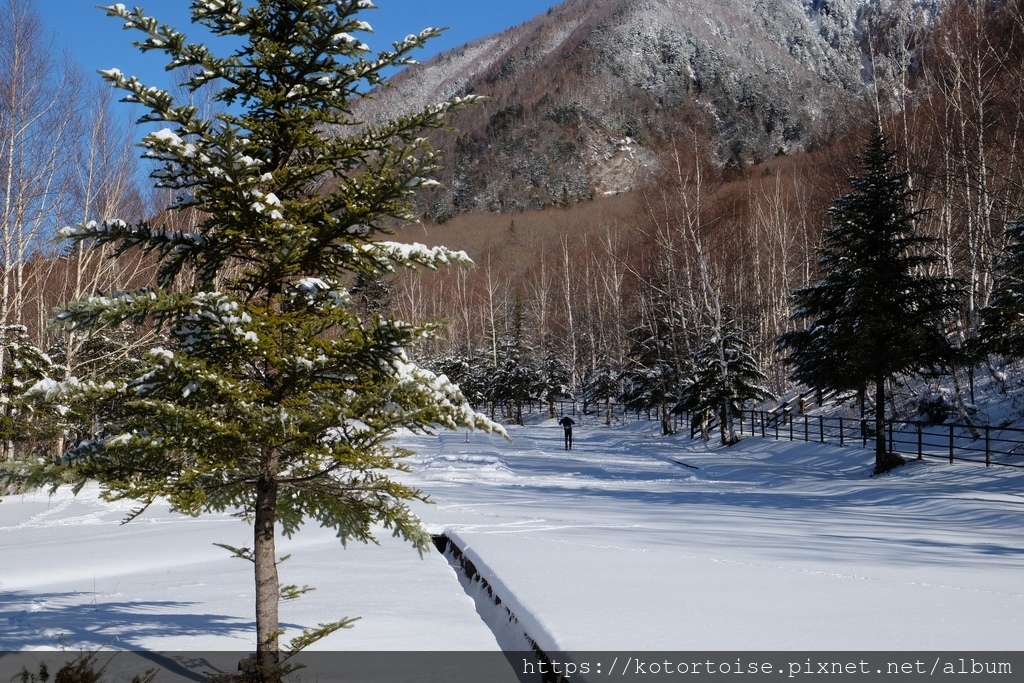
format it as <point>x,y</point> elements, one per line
<point>567,423</point>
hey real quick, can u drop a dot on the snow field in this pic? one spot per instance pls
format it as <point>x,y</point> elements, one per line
<point>72,575</point>
<point>614,545</point>
<point>768,545</point>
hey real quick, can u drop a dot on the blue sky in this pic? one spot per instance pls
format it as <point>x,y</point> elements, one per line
<point>96,41</point>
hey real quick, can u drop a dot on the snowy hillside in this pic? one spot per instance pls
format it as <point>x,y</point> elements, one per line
<point>567,87</point>
<point>630,540</point>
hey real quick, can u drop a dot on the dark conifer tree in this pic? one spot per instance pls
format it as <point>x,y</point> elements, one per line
<point>554,379</point>
<point>1002,321</point>
<point>24,365</point>
<point>877,312</point>
<point>726,376</point>
<point>515,382</point>
<point>656,366</point>
<point>601,385</point>
<point>464,371</point>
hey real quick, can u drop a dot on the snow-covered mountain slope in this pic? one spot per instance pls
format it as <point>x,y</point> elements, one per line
<point>569,87</point>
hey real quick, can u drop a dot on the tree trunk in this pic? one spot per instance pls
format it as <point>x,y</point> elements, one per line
<point>728,426</point>
<point>884,461</point>
<point>880,448</point>
<point>267,586</point>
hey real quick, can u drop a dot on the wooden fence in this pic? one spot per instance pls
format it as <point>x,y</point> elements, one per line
<point>983,444</point>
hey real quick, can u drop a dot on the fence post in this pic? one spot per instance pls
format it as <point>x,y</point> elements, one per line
<point>988,451</point>
<point>762,424</point>
<point>920,455</point>
<point>951,444</point>
<point>841,431</point>
<point>807,428</point>
<point>890,437</point>
<point>821,428</point>
<point>864,433</point>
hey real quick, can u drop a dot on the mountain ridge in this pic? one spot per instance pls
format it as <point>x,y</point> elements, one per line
<point>584,96</point>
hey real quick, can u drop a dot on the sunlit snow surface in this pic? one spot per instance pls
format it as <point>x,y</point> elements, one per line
<point>618,544</point>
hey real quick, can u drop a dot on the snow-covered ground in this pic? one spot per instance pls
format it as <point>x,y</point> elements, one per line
<point>768,545</point>
<point>629,541</point>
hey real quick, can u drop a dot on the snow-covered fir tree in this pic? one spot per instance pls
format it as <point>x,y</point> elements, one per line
<point>656,365</point>
<point>104,355</point>
<point>554,379</point>
<point>465,372</point>
<point>877,312</point>
<point>726,376</point>
<point>601,385</point>
<point>1002,321</point>
<point>275,394</point>
<point>24,366</point>
<point>515,381</point>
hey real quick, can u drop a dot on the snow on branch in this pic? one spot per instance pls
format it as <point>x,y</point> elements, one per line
<point>311,291</point>
<point>455,410</point>
<point>51,390</point>
<point>411,255</point>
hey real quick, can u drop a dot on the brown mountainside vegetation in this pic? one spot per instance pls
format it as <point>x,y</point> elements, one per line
<point>584,277</point>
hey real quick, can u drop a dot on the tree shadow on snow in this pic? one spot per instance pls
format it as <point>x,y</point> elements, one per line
<point>32,620</point>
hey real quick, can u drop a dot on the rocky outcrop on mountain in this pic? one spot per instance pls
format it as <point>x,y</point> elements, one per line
<point>584,97</point>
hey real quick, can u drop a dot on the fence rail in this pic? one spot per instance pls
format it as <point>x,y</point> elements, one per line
<point>983,444</point>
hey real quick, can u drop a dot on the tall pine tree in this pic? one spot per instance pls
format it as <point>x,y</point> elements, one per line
<point>877,312</point>
<point>276,394</point>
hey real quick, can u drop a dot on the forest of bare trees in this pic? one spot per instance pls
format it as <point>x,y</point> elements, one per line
<point>571,300</point>
<point>66,155</point>
<point>584,284</point>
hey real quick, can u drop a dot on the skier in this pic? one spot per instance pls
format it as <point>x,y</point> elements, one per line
<point>567,423</point>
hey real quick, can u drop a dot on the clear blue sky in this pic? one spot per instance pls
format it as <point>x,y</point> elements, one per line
<point>97,41</point>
